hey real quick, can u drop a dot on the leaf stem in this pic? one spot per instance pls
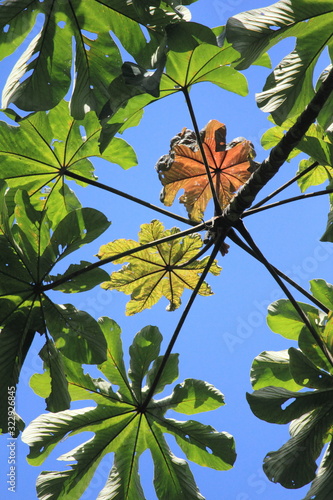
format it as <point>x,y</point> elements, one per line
<point>110,189</point>
<point>131,251</point>
<point>218,210</point>
<point>304,196</point>
<point>248,238</point>
<point>180,323</point>
<point>287,184</point>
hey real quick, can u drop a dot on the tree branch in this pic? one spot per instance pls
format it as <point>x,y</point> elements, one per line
<point>279,154</point>
<point>100,185</point>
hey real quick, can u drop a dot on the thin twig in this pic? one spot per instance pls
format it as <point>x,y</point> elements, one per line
<point>110,189</point>
<point>304,196</point>
<point>218,210</point>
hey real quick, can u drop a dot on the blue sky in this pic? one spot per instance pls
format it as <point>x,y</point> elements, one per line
<point>224,332</point>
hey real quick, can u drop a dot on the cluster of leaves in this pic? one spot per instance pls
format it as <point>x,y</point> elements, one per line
<point>42,222</point>
<point>279,380</point>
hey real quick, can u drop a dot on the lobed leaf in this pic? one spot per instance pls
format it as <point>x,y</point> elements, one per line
<point>183,168</point>
<point>160,270</point>
<point>121,425</point>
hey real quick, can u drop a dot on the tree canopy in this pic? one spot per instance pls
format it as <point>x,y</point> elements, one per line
<point>83,76</point>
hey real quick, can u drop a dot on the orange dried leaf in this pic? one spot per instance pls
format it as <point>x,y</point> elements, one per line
<point>183,168</point>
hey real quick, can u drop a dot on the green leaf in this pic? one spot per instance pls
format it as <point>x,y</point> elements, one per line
<point>289,88</point>
<point>82,282</point>
<point>305,373</point>
<point>144,349</point>
<point>195,396</point>
<point>322,291</point>
<point>59,398</point>
<point>202,444</point>
<point>114,368</point>
<point>121,425</point>
<point>169,374</point>
<point>204,62</point>
<point>294,464</point>
<point>284,319</point>
<point>314,177</point>
<point>76,334</point>
<point>321,487</point>
<point>39,152</point>
<point>96,55</point>
<point>158,271</point>
<point>272,368</point>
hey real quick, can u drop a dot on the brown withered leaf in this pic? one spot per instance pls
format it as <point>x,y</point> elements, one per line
<point>230,165</point>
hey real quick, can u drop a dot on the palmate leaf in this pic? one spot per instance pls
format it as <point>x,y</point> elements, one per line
<point>289,88</point>
<point>123,425</point>
<point>230,166</point>
<point>29,251</point>
<point>310,412</point>
<point>44,147</point>
<point>160,270</point>
<point>97,58</point>
<point>193,57</point>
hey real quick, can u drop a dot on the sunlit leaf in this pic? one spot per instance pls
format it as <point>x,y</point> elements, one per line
<point>44,148</point>
<point>122,424</point>
<point>158,271</point>
<point>183,168</point>
<point>289,88</point>
<point>284,319</point>
<point>272,368</point>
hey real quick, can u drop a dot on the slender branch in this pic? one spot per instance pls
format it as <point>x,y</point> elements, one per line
<point>236,239</point>
<point>100,185</point>
<point>287,184</point>
<point>246,235</point>
<point>279,154</point>
<point>217,206</point>
<point>139,248</point>
<point>304,196</point>
<point>180,324</point>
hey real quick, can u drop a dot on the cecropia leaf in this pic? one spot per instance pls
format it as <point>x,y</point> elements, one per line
<point>124,425</point>
<point>160,270</point>
<point>230,167</point>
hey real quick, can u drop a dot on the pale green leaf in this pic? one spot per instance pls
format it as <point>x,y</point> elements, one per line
<point>158,271</point>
